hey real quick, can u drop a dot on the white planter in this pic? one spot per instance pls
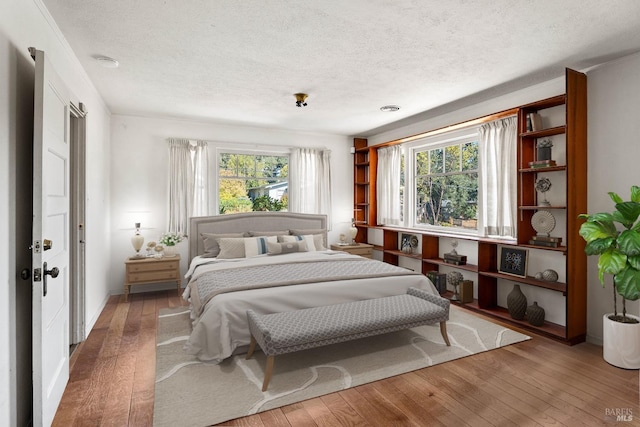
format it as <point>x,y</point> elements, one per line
<point>621,343</point>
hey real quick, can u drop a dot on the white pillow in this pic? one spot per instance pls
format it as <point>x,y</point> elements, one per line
<point>307,238</point>
<point>254,246</point>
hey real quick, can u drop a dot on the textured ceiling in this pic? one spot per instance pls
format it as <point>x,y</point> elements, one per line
<point>240,62</point>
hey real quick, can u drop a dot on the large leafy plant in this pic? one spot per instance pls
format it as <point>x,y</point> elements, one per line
<point>615,237</point>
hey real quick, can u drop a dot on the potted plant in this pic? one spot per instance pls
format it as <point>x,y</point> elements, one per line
<point>615,238</point>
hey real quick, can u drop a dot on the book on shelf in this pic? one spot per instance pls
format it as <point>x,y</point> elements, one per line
<point>542,163</point>
<point>455,259</point>
<point>439,280</point>
<point>536,121</point>
<point>545,244</point>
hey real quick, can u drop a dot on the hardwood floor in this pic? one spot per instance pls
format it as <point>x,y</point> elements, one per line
<point>537,382</point>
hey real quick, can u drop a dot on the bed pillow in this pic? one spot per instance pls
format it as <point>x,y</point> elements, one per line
<point>254,246</point>
<point>318,234</point>
<point>231,247</point>
<point>266,233</point>
<point>211,247</point>
<point>309,239</point>
<point>286,248</point>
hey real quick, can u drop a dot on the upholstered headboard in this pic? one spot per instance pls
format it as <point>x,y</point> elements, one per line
<point>249,221</point>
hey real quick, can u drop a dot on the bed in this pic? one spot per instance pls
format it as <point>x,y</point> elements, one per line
<point>223,282</point>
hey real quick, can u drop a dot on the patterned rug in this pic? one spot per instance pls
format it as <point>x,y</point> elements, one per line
<point>191,393</point>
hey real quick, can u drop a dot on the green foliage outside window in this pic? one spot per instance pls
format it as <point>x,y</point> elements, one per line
<point>245,178</point>
<point>446,183</point>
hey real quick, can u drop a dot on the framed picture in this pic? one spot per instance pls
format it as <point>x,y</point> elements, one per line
<point>513,261</point>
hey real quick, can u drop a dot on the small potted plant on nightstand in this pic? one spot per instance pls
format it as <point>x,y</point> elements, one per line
<point>618,250</point>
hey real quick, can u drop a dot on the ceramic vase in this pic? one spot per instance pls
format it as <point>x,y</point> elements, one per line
<point>535,314</point>
<point>169,251</point>
<point>517,303</point>
<point>621,342</point>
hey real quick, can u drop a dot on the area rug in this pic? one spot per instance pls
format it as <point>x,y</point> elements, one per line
<point>192,393</point>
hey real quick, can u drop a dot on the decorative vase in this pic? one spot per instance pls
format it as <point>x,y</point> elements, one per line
<point>517,303</point>
<point>544,153</point>
<point>535,314</point>
<point>169,251</point>
<point>621,342</point>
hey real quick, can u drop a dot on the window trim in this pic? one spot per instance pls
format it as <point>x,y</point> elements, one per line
<point>439,140</point>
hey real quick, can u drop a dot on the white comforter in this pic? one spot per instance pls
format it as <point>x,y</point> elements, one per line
<point>222,327</point>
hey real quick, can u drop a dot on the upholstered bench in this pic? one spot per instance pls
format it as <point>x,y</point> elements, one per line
<point>281,333</point>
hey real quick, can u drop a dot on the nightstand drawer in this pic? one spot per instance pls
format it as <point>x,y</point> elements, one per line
<point>152,276</point>
<point>152,266</point>
<point>365,252</point>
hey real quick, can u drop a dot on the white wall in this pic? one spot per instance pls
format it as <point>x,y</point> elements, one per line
<point>26,23</point>
<point>613,163</point>
<point>139,179</point>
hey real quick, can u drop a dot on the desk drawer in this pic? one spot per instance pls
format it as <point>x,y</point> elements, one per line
<point>152,266</point>
<point>152,276</point>
<point>365,252</point>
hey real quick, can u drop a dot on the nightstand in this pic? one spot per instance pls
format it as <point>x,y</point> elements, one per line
<point>362,249</point>
<point>151,270</point>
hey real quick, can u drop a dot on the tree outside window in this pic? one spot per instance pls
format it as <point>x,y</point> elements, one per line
<point>446,185</point>
<point>248,182</point>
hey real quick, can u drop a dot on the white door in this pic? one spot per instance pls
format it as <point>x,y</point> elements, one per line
<point>50,241</point>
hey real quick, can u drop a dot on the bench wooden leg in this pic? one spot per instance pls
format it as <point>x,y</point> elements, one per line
<point>443,331</point>
<point>252,348</point>
<point>268,372</point>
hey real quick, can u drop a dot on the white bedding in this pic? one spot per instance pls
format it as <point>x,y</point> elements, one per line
<point>222,327</point>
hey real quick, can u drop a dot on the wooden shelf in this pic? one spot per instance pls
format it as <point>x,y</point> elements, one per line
<point>549,329</point>
<point>545,248</point>
<point>554,286</point>
<point>440,261</point>
<point>400,253</point>
<point>535,208</point>
<point>545,169</point>
<point>559,130</point>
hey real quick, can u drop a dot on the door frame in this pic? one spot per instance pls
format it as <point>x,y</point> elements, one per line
<point>77,313</point>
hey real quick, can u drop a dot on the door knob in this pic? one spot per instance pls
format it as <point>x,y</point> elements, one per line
<point>53,273</point>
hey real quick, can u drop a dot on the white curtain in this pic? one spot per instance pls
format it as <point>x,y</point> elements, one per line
<point>310,182</point>
<point>498,151</point>
<point>388,185</point>
<point>188,182</point>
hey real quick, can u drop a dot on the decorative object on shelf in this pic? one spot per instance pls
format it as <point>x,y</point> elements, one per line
<point>343,240</point>
<point>159,249</point>
<point>466,291</point>
<point>537,164</point>
<point>405,243</point>
<point>353,230</point>
<point>150,248</point>
<point>517,303</point>
<point>538,276</point>
<point>544,149</point>
<point>543,185</point>
<point>454,278</point>
<point>535,314</point>
<point>454,245</point>
<point>543,222</point>
<point>621,332</point>
<point>453,257</point>
<point>534,122</point>
<point>439,280</point>
<point>550,275</point>
<point>170,240</point>
<point>513,261</point>
<point>136,241</point>
<point>413,242</point>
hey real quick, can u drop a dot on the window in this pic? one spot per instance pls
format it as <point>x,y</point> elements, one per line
<point>446,184</point>
<point>249,182</point>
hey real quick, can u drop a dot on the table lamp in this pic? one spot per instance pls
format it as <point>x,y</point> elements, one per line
<point>137,240</point>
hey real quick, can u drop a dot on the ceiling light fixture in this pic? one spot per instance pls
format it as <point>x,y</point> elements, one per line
<point>300,97</point>
<point>389,108</point>
<point>107,62</point>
